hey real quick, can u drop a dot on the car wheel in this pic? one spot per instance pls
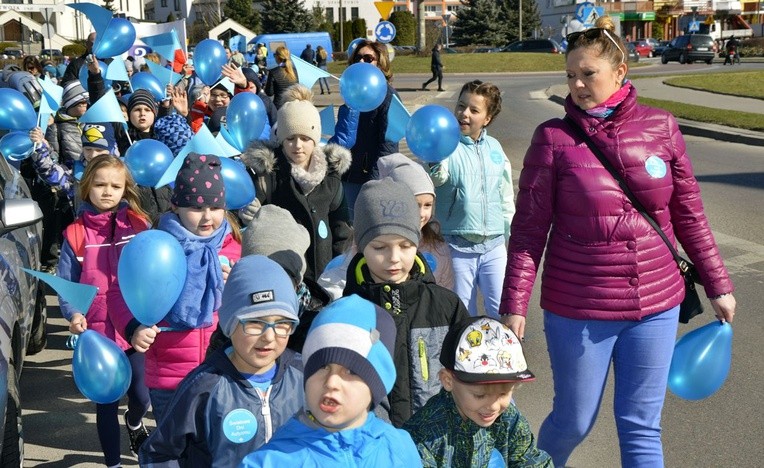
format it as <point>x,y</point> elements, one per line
<point>13,443</point>
<point>682,58</point>
<point>38,336</point>
<point>708,62</point>
<point>664,59</point>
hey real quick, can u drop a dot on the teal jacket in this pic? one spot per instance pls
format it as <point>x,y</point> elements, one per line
<point>473,187</point>
<point>445,439</point>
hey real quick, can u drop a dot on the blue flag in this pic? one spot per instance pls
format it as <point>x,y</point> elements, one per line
<point>307,72</point>
<point>164,44</point>
<point>163,74</point>
<point>327,120</point>
<point>116,70</point>
<point>78,295</point>
<point>238,43</point>
<point>203,142</point>
<point>98,16</point>
<point>397,120</point>
<point>105,109</point>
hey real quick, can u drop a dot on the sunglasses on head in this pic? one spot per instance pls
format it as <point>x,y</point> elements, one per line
<point>593,33</point>
<point>368,58</point>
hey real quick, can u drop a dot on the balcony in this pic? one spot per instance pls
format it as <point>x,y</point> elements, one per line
<point>628,7</point>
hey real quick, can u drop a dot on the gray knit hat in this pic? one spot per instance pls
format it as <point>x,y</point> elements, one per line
<point>385,207</point>
<point>407,171</point>
<point>274,233</point>
<point>142,96</point>
<point>298,116</point>
<point>73,93</point>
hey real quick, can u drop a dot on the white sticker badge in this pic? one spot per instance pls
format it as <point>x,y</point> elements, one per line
<point>656,167</point>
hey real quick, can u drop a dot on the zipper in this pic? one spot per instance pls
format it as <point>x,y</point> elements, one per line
<point>423,359</point>
<point>266,411</point>
<point>482,185</point>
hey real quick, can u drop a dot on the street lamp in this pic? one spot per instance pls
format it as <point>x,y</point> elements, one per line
<point>446,19</point>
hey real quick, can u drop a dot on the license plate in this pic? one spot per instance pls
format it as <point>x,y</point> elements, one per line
<point>703,49</point>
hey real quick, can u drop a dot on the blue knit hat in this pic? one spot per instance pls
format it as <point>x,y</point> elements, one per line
<point>173,130</point>
<point>256,287</point>
<point>358,335</point>
<point>99,135</point>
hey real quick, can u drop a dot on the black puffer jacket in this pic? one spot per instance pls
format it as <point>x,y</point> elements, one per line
<point>323,211</point>
<point>423,313</point>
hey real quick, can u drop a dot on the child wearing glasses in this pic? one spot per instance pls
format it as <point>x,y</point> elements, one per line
<point>233,402</point>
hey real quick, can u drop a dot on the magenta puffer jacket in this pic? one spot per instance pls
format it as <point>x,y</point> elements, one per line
<point>175,353</point>
<point>603,260</point>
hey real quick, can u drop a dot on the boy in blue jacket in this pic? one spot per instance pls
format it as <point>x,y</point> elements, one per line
<point>348,371</point>
<point>232,403</point>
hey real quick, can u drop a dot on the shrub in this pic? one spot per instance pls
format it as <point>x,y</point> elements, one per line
<point>73,50</point>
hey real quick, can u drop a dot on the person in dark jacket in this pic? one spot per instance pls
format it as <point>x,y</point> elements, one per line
<point>302,178</point>
<point>436,67</point>
<point>321,58</point>
<point>611,289</point>
<point>72,71</point>
<point>364,132</point>
<point>239,396</point>
<point>281,77</point>
<point>308,54</point>
<point>389,272</point>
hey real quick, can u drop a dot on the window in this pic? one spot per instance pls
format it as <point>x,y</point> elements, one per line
<point>164,4</point>
<point>354,13</point>
<point>330,15</point>
<point>177,5</point>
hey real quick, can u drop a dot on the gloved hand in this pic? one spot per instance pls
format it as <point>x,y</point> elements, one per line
<point>248,213</point>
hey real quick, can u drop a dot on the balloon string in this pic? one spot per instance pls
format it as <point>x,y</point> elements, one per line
<point>71,342</point>
<point>167,329</point>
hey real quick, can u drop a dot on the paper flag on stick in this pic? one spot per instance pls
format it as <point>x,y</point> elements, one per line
<point>397,120</point>
<point>78,295</point>
<point>307,72</point>
<point>52,94</point>
<point>327,120</point>
<point>164,44</point>
<point>116,70</point>
<point>164,75</point>
<point>227,148</point>
<point>203,142</point>
<point>98,16</point>
<point>105,109</point>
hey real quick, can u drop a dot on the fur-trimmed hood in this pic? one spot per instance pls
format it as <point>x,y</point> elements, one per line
<point>261,157</point>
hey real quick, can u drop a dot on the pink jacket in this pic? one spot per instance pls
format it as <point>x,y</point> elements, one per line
<point>105,234</point>
<point>603,261</point>
<point>175,353</point>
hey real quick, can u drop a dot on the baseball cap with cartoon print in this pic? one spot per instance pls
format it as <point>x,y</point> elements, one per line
<point>481,350</point>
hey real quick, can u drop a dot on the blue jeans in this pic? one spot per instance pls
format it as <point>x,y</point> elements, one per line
<point>484,271</point>
<point>580,352</point>
<point>352,189</point>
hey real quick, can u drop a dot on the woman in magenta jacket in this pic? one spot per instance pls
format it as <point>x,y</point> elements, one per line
<point>610,288</point>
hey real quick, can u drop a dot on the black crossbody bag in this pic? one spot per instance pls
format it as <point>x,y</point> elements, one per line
<point>691,305</point>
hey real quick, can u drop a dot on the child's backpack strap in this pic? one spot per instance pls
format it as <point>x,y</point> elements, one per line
<point>75,235</point>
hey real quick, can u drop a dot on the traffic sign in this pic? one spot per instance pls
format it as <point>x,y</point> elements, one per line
<point>385,32</point>
<point>694,26</point>
<point>583,10</point>
<point>384,8</point>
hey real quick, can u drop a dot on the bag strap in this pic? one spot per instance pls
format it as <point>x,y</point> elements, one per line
<point>684,265</point>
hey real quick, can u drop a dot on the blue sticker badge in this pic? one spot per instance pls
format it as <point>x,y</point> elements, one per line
<point>323,231</point>
<point>239,426</point>
<point>497,157</point>
<point>656,167</point>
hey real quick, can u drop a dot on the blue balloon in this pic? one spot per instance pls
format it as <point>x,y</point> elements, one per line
<point>151,272</point>
<point>116,39</point>
<point>149,82</point>
<point>432,133</point>
<point>147,160</point>
<point>83,75</point>
<point>701,361</point>
<point>363,86</point>
<point>16,146</point>
<point>16,112</point>
<point>239,188</point>
<point>209,58</point>
<point>354,45</point>
<point>101,369</point>
<point>245,119</point>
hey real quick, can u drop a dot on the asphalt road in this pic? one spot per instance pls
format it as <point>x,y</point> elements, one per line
<point>724,430</point>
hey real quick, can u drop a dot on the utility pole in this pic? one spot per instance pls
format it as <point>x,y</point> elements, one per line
<point>520,14</point>
<point>422,25</point>
<point>342,28</point>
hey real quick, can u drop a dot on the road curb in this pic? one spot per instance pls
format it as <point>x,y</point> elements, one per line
<point>714,132</point>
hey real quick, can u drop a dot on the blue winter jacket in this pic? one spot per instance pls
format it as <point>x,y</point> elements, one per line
<point>217,417</point>
<point>473,187</point>
<point>301,443</point>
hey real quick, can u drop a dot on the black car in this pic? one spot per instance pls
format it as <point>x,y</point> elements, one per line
<point>631,52</point>
<point>690,48</point>
<point>660,48</point>
<point>534,45</point>
<point>22,301</point>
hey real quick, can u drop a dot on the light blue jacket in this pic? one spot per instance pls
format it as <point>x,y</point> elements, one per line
<point>302,443</point>
<point>474,189</point>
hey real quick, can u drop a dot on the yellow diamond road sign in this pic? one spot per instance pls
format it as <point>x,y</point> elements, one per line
<point>384,9</point>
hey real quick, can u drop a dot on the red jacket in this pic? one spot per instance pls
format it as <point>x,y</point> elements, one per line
<point>603,261</point>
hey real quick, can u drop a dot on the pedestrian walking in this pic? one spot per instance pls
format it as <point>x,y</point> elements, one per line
<point>436,67</point>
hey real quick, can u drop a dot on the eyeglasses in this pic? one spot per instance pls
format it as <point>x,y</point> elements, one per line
<point>254,327</point>
<point>368,58</point>
<point>219,95</point>
<point>593,33</point>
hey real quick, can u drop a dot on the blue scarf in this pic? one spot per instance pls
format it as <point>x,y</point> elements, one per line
<point>202,293</point>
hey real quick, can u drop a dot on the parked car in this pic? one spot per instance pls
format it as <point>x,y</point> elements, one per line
<point>631,52</point>
<point>690,48</point>
<point>644,49</point>
<point>448,50</point>
<point>534,45</point>
<point>22,302</point>
<point>660,48</point>
<point>13,52</point>
<point>486,50</point>
<point>52,53</point>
